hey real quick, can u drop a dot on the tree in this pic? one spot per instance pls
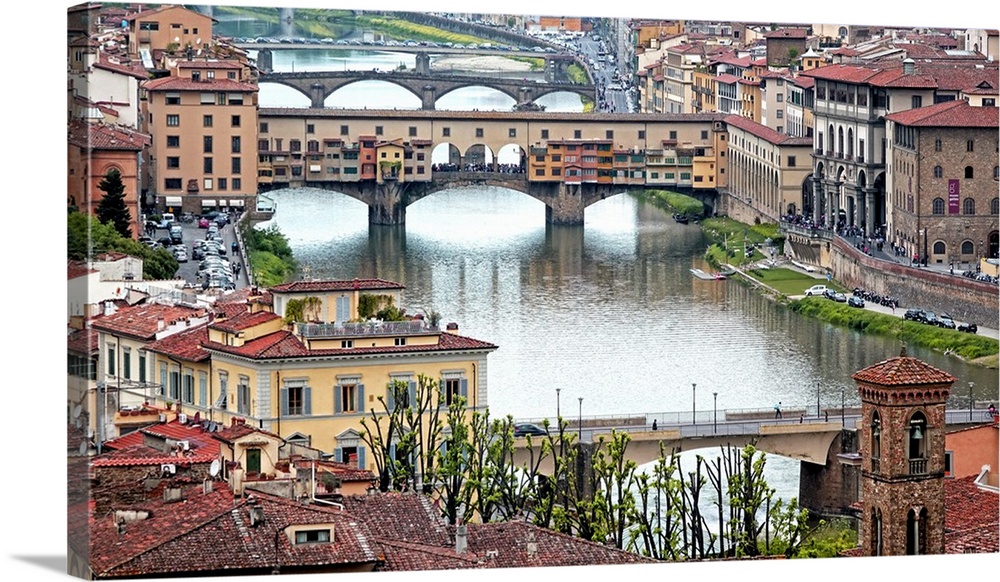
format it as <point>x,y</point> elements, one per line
<point>111,209</point>
<point>87,238</point>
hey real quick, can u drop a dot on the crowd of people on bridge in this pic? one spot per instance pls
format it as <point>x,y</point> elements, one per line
<point>479,167</point>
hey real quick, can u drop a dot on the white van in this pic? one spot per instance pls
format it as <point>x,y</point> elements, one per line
<point>166,220</point>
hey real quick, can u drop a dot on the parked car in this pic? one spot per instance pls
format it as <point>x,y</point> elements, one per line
<point>176,234</point>
<point>181,255</point>
<point>829,293</point>
<point>203,222</point>
<point>840,298</point>
<point>914,315</point>
<point>526,428</point>
<point>931,318</point>
<point>855,301</point>
<point>968,327</point>
<point>166,219</point>
<point>815,290</point>
<point>945,320</point>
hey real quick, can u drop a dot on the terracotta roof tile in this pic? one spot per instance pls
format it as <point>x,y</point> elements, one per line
<point>185,345</point>
<point>142,321</point>
<point>121,64</point>
<point>957,113</point>
<point>211,532</point>
<point>727,78</point>
<point>184,84</point>
<point>78,269</point>
<point>244,320</point>
<point>332,285</point>
<point>217,64</point>
<point>401,516</point>
<point>787,33</point>
<point>239,430</point>
<point>83,341</point>
<point>971,518</point>
<point>98,136</point>
<point>765,132</point>
<point>284,344</point>
<point>902,371</point>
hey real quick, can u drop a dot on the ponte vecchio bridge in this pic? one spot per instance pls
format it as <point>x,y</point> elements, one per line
<point>566,160</point>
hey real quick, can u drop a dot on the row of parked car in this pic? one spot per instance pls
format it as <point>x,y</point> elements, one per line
<point>938,319</point>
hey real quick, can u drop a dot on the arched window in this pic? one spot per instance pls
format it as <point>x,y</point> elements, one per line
<point>968,248</point>
<point>850,143</point>
<point>917,448</point>
<point>937,207</point>
<point>938,171</point>
<point>939,248</point>
<point>996,172</point>
<point>876,532</point>
<point>937,145</point>
<point>840,140</point>
<point>916,532</point>
<point>968,172</point>
<point>995,206</point>
<point>876,454</point>
<point>969,206</point>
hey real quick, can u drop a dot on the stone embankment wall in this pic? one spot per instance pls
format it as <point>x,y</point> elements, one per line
<point>961,297</point>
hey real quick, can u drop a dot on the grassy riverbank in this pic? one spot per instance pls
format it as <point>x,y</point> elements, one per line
<point>730,238</point>
<point>968,346</point>
<point>269,255</point>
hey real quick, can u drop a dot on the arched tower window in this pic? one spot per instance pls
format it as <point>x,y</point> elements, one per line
<point>969,206</point>
<point>916,532</point>
<point>876,447</point>
<point>937,206</point>
<point>968,248</point>
<point>938,171</point>
<point>917,444</point>
<point>876,532</point>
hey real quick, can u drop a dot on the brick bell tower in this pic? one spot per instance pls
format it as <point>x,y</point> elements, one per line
<point>902,455</point>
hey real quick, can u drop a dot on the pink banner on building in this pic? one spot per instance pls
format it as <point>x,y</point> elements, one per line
<point>952,196</point>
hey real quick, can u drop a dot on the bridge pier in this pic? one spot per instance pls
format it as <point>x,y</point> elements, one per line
<point>388,204</point>
<point>317,96</point>
<point>566,207</point>
<point>831,488</point>
<point>423,64</point>
<point>428,95</point>
<point>265,60</point>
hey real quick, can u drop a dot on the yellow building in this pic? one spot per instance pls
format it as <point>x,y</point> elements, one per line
<point>168,27</point>
<point>312,381</point>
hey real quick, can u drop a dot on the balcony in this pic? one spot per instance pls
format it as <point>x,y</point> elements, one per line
<point>918,466</point>
<point>369,329</point>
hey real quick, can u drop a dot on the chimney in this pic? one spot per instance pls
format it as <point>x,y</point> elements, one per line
<point>908,66</point>
<point>461,538</point>
<point>160,324</point>
<point>452,327</point>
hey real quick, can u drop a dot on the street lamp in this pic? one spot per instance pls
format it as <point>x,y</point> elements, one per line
<point>971,401</point>
<point>581,418</point>
<point>817,400</point>
<point>843,418</point>
<point>558,417</point>
<point>694,419</point>
<point>715,411</point>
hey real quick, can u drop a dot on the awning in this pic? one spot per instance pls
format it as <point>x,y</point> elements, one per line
<point>205,203</point>
<point>222,202</point>
<point>173,201</point>
<point>238,203</point>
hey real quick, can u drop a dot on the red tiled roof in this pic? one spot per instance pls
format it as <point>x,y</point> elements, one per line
<point>185,345</point>
<point>144,456</point>
<point>78,269</point>
<point>331,285</point>
<point>401,516</point>
<point>727,78</point>
<point>184,84</point>
<point>216,64</point>
<point>239,430</point>
<point>131,449</point>
<point>98,136</point>
<point>121,64</point>
<point>211,533</point>
<point>957,113</point>
<point>244,320</point>
<point>141,321</point>
<point>83,341</point>
<point>902,371</point>
<point>765,132</point>
<point>284,344</point>
<point>971,519</point>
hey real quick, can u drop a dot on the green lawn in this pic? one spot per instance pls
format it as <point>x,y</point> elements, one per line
<point>791,282</point>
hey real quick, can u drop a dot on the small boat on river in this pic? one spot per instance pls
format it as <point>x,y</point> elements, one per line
<point>707,276</point>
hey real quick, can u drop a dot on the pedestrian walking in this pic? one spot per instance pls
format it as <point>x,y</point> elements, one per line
<point>826,416</point>
<point>801,418</point>
<point>777,410</point>
<point>654,424</point>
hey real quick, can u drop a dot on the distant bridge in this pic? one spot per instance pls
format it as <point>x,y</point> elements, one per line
<point>826,444</point>
<point>428,87</point>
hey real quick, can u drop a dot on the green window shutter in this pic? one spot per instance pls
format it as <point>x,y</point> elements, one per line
<point>412,401</point>
<point>463,388</point>
<point>338,455</point>
<point>284,402</point>
<point>336,400</point>
<point>361,457</point>
<point>361,398</point>
<point>390,397</point>
<point>307,400</point>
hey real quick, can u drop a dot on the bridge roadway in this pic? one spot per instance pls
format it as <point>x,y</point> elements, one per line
<point>400,48</point>
<point>808,439</point>
<point>428,87</point>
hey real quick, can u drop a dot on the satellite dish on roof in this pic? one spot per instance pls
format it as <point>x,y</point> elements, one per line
<point>213,469</point>
<point>83,447</point>
<point>77,410</point>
